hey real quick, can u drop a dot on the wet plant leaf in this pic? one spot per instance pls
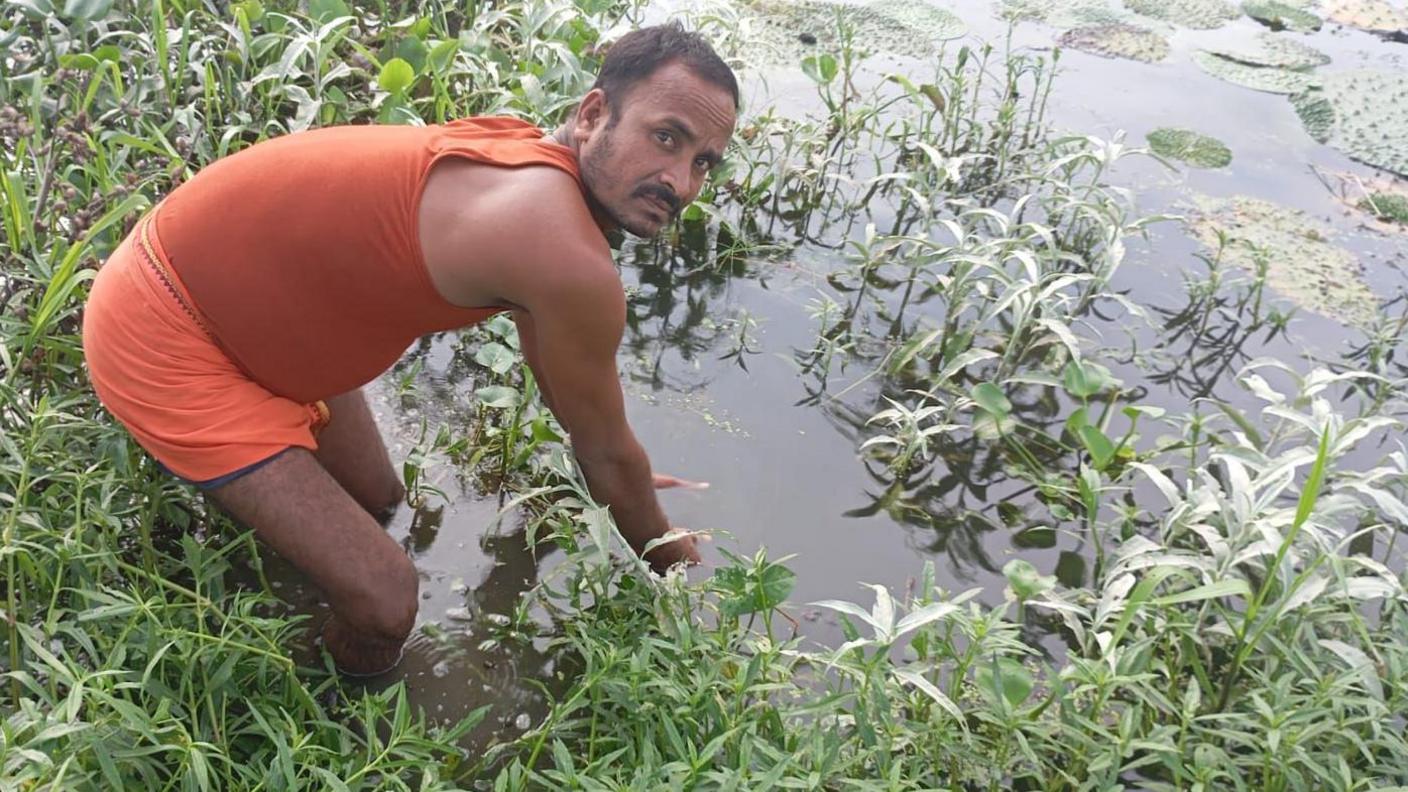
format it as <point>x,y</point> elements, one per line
<point>1191,147</point>
<point>1270,49</point>
<point>1260,78</point>
<point>1005,680</point>
<point>1280,16</point>
<point>1196,14</point>
<point>1025,580</point>
<point>746,592</point>
<point>396,76</point>
<point>908,29</point>
<point>1101,449</point>
<point>499,397</point>
<point>991,398</point>
<point>1316,113</point>
<point>1117,40</point>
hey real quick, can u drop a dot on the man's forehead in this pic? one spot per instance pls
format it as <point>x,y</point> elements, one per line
<point>675,94</point>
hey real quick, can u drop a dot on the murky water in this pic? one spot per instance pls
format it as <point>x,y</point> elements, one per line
<point>783,468</point>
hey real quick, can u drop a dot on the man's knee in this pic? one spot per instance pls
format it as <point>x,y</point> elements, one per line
<point>385,606</point>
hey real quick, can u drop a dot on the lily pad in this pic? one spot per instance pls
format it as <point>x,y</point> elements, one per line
<point>1301,264</point>
<point>1260,78</point>
<point>1191,147</point>
<point>1117,40</point>
<point>1370,111</point>
<point>1375,15</point>
<point>1064,13</point>
<point>1197,14</point>
<point>787,32</point>
<point>1281,16</point>
<point>1278,51</point>
<point>1316,113</point>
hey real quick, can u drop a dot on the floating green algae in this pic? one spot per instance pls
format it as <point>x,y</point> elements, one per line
<point>1280,52</point>
<point>787,32</point>
<point>1368,117</point>
<point>1281,16</point>
<point>1260,78</point>
<point>1374,15</point>
<point>1197,14</point>
<point>1388,207</point>
<point>1301,264</point>
<point>1117,40</point>
<point>1194,148</point>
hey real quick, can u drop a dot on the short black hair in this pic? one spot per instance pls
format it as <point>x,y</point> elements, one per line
<point>636,56</point>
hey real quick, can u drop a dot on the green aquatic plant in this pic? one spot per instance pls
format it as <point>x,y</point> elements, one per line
<point>1369,118</point>
<point>1260,78</point>
<point>1390,207</point>
<point>1065,13</point>
<point>1196,14</point>
<point>787,32</point>
<point>1117,40</point>
<point>1372,15</point>
<point>1316,113</point>
<point>1282,16</point>
<point>1301,263</point>
<point>1191,147</point>
<point>1282,52</point>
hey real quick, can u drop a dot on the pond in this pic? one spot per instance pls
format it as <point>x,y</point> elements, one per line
<point>711,365</point>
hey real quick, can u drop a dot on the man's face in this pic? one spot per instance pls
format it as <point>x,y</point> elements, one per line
<point>647,156</point>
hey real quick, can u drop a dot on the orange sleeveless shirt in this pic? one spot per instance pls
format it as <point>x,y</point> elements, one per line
<point>302,252</point>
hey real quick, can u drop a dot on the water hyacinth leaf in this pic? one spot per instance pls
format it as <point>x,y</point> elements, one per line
<point>1196,14</point>
<point>1282,52</point>
<point>1083,379</point>
<point>396,76</point>
<point>1370,116</point>
<point>1301,264</point>
<point>1005,680</point>
<point>324,11</point>
<point>1117,40</point>
<point>1070,569</point>
<point>1280,16</point>
<point>1024,579</point>
<point>1038,537</point>
<point>991,399</point>
<point>499,397</point>
<point>1260,78</point>
<point>496,357</point>
<point>1101,449</point>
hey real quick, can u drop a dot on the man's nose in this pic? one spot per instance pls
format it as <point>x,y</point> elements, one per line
<point>677,178</point>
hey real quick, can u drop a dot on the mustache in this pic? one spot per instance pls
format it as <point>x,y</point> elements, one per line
<point>664,194</point>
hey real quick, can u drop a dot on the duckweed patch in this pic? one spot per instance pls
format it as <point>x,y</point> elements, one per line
<point>1299,261</point>
<point>1194,148</point>
<point>1270,49</point>
<point>1196,14</point>
<point>1260,78</point>
<point>1117,40</point>
<point>1280,16</point>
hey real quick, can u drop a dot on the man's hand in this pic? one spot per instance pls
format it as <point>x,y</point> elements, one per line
<point>662,481</point>
<point>682,550</point>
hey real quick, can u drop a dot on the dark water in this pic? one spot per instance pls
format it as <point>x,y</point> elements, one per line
<point>783,467</point>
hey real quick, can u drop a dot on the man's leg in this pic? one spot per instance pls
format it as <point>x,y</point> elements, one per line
<point>296,506</point>
<point>350,448</point>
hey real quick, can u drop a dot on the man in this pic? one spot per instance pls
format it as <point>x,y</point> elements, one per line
<point>231,332</point>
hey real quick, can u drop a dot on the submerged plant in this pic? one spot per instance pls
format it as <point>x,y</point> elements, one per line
<point>1117,40</point>
<point>1191,147</point>
<point>1392,207</point>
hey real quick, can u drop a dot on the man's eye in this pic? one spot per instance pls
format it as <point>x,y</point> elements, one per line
<point>665,137</point>
<point>703,164</point>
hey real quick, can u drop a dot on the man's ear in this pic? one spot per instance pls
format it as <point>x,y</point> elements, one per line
<point>592,114</point>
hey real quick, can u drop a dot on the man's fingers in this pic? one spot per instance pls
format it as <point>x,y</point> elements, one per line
<point>663,481</point>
